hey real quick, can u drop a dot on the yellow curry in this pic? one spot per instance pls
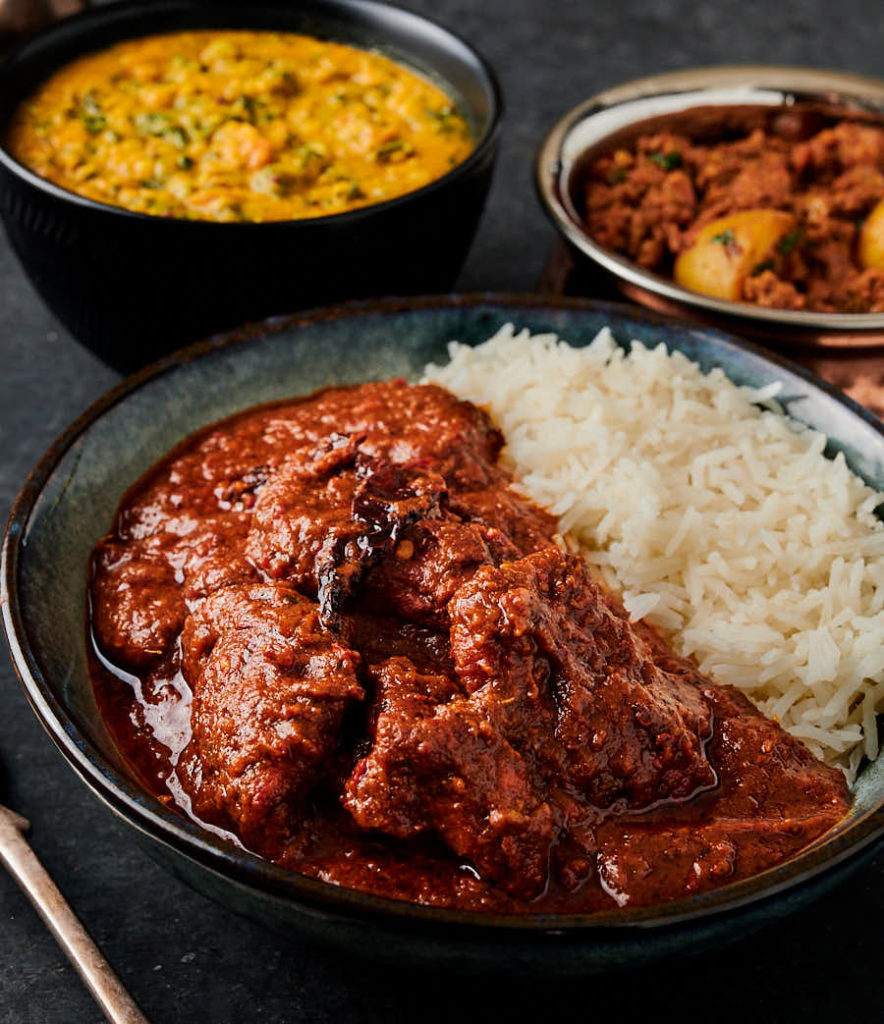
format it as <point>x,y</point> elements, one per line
<point>238,126</point>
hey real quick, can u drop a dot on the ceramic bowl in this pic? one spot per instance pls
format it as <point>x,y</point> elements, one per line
<point>703,103</point>
<point>132,287</point>
<point>69,501</point>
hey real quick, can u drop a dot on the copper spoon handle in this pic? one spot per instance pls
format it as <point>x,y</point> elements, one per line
<point>96,972</point>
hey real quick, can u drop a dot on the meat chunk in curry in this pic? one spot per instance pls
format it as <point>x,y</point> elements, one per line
<point>333,630</point>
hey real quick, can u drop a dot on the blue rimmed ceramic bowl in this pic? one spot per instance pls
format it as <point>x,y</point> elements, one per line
<point>68,503</point>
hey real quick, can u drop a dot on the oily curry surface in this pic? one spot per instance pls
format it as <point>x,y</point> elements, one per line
<point>238,126</point>
<point>332,629</point>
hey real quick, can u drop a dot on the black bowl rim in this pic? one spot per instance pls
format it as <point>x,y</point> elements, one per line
<point>128,800</point>
<point>486,142</point>
<point>548,169</point>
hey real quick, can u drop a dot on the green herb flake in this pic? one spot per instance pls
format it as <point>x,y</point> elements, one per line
<point>760,268</point>
<point>177,136</point>
<point>385,153</point>
<point>306,153</point>
<point>725,237</point>
<point>152,123</point>
<point>668,161</point>
<point>248,106</point>
<point>184,162</point>
<point>91,105</point>
<point>617,177</point>
<point>791,241</point>
<point>444,120</point>
<point>93,116</point>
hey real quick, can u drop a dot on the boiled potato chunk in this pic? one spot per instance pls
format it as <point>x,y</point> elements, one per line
<point>871,239</point>
<point>729,249</point>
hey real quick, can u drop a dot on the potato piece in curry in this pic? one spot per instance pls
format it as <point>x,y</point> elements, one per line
<point>238,126</point>
<point>871,239</point>
<point>729,250</point>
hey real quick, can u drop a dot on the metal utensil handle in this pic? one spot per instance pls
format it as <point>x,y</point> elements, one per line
<point>119,1007</point>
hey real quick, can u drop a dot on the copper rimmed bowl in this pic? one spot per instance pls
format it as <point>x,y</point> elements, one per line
<point>697,103</point>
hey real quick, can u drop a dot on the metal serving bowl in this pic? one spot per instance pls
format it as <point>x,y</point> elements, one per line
<point>699,102</point>
<point>133,286</point>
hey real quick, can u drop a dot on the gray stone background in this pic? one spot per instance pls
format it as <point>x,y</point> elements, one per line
<point>188,960</point>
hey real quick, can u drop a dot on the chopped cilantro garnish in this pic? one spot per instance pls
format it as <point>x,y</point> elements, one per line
<point>668,161</point>
<point>248,107</point>
<point>617,176</point>
<point>725,237</point>
<point>443,119</point>
<point>383,154</point>
<point>760,268</point>
<point>151,123</point>
<point>91,105</point>
<point>790,241</point>
<point>93,115</point>
<point>177,136</point>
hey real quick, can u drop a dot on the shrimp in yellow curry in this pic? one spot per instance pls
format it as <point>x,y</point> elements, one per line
<point>238,126</point>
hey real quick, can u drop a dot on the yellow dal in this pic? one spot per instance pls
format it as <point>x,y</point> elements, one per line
<point>238,126</point>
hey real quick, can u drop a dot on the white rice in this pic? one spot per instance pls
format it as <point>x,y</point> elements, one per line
<point>719,521</point>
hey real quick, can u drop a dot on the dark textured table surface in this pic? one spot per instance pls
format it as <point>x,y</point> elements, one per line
<point>188,960</point>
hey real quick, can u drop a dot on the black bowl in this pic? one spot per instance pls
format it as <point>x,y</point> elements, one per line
<point>132,286</point>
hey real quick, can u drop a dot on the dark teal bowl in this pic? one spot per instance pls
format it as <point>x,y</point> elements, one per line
<point>69,501</point>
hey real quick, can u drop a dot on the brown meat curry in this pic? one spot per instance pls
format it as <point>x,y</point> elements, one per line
<point>332,629</point>
<point>765,217</point>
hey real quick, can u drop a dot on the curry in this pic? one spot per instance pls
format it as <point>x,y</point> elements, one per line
<point>782,222</point>
<point>238,126</point>
<point>332,630</point>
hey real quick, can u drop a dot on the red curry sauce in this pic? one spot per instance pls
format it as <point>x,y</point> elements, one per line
<point>332,630</point>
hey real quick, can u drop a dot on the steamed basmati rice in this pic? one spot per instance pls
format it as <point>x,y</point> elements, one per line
<point>714,516</point>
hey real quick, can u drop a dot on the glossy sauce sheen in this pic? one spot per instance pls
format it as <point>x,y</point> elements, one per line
<point>332,630</point>
<point>238,126</point>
